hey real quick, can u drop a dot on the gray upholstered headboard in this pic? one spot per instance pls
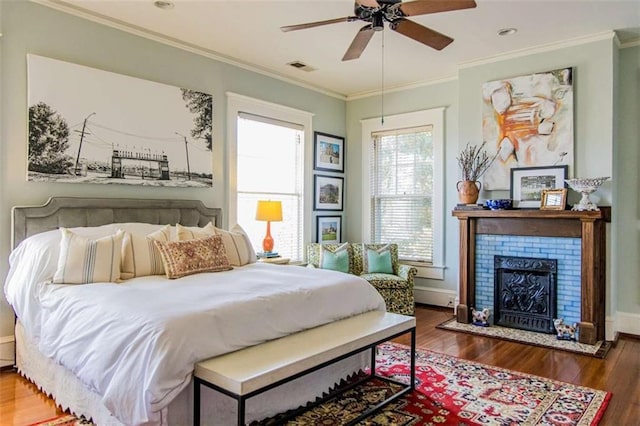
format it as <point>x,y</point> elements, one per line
<point>72,212</point>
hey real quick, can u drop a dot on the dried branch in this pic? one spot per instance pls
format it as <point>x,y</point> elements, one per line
<point>474,161</point>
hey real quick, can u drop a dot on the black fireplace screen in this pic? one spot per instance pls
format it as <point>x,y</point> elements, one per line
<point>525,293</point>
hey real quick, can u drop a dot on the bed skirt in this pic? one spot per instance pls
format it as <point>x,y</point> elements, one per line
<point>219,410</point>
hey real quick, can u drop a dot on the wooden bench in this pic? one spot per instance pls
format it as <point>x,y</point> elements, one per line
<point>251,371</point>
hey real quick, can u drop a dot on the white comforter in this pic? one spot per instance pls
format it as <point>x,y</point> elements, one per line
<point>136,343</point>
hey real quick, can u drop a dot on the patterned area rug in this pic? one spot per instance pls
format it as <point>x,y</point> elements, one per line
<point>449,391</point>
<point>64,420</point>
<point>599,350</point>
<point>452,391</point>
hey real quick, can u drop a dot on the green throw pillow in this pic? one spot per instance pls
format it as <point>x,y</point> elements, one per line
<point>378,261</point>
<point>337,260</point>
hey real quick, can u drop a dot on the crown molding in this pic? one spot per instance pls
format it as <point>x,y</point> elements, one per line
<point>633,43</point>
<point>577,41</point>
<point>173,42</point>
<point>401,88</point>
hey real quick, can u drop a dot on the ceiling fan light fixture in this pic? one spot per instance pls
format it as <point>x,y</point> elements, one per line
<point>163,4</point>
<point>378,22</point>
<point>507,31</point>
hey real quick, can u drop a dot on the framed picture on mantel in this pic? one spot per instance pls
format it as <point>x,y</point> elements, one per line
<point>528,184</point>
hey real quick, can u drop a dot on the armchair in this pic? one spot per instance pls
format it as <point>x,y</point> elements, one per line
<point>396,288</point>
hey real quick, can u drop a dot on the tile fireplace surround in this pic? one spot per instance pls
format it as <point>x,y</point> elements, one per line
<point>588,227</point>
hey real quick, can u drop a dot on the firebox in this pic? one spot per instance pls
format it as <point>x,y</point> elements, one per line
<point>525,293</point>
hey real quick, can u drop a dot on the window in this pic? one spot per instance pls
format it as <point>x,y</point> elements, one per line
<point>404,195</point>
<point>266,157</point>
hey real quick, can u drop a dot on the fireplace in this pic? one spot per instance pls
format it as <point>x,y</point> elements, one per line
<point>525,293</point>
<point>585,231</point>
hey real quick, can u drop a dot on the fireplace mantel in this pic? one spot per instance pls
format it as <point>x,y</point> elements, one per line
<point>588,226</point>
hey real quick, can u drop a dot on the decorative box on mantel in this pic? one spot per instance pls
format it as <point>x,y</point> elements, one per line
<point>586,228</point>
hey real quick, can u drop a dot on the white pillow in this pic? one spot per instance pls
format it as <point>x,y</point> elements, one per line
<point>184,233</point>
<point>140,256</point>
<point>85,260</point>
<point>236,241</point>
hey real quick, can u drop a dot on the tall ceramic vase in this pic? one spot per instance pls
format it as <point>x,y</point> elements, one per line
<point>468,191</point>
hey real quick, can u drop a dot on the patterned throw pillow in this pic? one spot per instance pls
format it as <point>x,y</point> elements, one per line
<point>336,259</point>
<point>140,256</point>
<point>181,258</point>
<point>377,260</point>
<point>236,241</point>
<point>85,260</point>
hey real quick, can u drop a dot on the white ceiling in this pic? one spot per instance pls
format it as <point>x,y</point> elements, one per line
<point>247,32</point>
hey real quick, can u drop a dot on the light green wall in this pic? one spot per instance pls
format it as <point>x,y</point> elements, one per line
<point>604,82</point>
<point>422,98</point>
<point>626,253</point>
<point>32,28</point>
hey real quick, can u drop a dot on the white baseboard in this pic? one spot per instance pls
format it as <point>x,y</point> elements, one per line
<point>6,351</point>
<point>435,296</point>
<point>609,329</point>
<point>627,323</point>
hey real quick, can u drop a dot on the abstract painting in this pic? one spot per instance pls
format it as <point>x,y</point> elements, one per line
<point>527,121</point>
<point>92,126</point>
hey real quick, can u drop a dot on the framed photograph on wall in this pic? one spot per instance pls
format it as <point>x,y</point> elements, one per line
<point>328,192</point>
<point>328,152</point>
<point>328,229</point>
<point>528,184</point>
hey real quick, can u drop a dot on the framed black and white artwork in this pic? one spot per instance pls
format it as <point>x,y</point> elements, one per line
<point>92,126</point>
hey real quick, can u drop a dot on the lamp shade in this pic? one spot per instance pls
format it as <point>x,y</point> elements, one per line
<point>269,211</point>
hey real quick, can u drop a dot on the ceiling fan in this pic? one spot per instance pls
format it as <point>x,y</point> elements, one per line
<point>376,12</point>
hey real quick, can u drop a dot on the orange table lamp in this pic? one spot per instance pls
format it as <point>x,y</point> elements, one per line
<point>269,211</point>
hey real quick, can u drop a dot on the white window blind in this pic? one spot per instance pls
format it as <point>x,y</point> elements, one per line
<point>269,167</point>
<point>402,191</point>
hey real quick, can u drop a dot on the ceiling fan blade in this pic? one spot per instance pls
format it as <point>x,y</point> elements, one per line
<point>423,7</point>
<point>422,34</point>
<point>368,3</point>
<point>359,43</point>
<point>317,24</point>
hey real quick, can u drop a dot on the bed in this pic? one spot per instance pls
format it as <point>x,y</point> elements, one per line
<point>123,353</point>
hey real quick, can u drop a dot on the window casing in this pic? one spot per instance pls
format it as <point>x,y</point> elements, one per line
<point>270,168</point>
<point>403,181</point>
<point>260,171</point>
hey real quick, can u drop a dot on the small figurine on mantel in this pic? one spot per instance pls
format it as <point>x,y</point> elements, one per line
<point>565,331</point>
<point>480,318</point>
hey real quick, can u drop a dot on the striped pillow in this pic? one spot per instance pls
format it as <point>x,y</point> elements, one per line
<point>84,260</point>
<point>188,257</point>
<point>239,249</point>
<point>236,242</point>
<point>140,256</point>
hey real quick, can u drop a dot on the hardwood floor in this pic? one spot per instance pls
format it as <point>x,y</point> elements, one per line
<point>21,403</point>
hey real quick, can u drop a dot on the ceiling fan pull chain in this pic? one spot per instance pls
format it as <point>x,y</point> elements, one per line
<point>382,84</point>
